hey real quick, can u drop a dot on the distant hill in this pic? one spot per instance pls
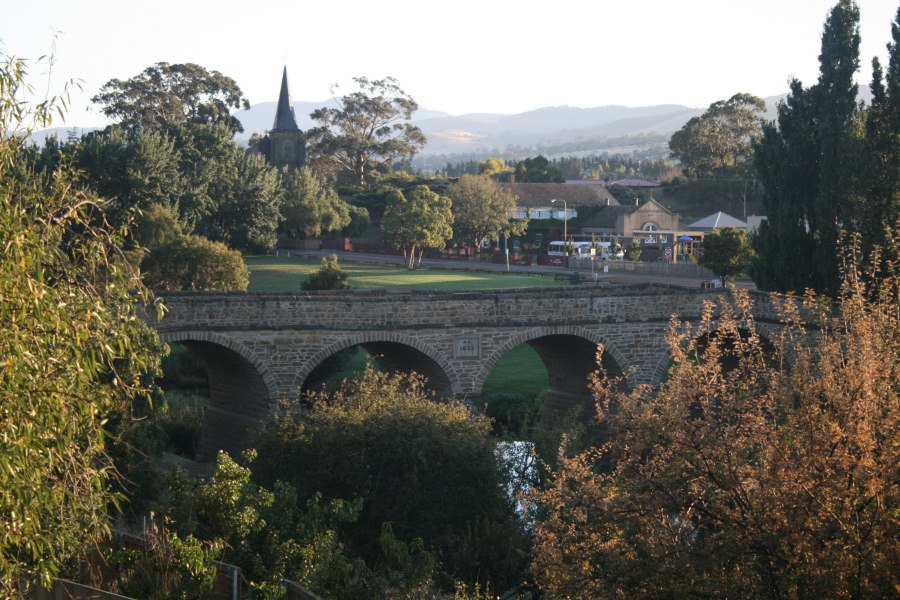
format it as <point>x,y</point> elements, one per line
<point>589,129</point>
<point>553,130</point>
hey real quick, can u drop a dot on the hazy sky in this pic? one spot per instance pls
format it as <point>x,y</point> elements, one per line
<point>459,56</point>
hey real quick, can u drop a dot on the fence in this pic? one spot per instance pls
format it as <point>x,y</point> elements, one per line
<point>644,268</point>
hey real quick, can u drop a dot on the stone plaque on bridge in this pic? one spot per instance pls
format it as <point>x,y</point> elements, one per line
<point>467,347</point>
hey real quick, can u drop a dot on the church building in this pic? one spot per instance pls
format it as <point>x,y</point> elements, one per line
<point>284,144</point>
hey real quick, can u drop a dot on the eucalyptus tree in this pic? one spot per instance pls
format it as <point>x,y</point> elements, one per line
<point>369,127</point>
<point>164,95</point>
<point>720,141</point>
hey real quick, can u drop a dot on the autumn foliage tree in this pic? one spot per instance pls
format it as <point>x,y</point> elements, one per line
<point>767,475</point>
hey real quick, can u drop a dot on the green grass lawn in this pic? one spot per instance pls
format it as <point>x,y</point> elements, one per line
<point>270,274</point>
<point>519,373</point>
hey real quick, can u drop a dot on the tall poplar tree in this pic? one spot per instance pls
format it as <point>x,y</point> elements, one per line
<point>812,166</point>
<point>882,208</point>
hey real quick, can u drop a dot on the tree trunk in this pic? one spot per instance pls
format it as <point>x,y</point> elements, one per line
<point>412,258</point>
<point>360,172</point>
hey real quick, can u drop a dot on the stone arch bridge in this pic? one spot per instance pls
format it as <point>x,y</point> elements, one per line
<point>259,347</point>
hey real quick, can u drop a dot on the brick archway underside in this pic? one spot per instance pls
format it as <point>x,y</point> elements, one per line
<point>570,357</point>
<point>240,392</point>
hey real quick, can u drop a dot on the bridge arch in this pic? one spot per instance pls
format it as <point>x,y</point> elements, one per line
<point>241,390</point>
<point>568,378</point>
<point>395,348</point>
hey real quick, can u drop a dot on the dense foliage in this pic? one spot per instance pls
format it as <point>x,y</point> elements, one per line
<point>720,141</point>
<point>828,166</point>
<point>370,127</point>
<point>310,207</point>
<point>73,351</point>
<point>727,253</point>
<point>417,220</point>
<point>592,166</point>
<point>755,470</point>
<point>426,467</point>
<point>192,262</point>
<point>537,170</point>
<point>164,95</point>
<point>482,211</point>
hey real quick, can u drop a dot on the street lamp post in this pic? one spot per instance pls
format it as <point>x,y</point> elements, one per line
<point>565,221</point>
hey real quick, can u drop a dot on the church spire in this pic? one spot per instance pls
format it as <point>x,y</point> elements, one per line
<point>284,114</point>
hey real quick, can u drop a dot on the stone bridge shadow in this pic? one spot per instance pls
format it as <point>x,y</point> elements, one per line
<point>241,390</point>
<point>569,353</point>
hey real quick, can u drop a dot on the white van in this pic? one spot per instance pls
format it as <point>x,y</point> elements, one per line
<point>579,250</point>
<point>582,250</point>
<point>605,252</point>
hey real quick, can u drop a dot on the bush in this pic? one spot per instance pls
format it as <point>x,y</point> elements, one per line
<point>426,467</point>
<point>329,276</point>
<point>634,250</point>
<point>168,566</point>
<point>192,262</point>
<point>275,534</point>
<point>156,226</point>
<point>747,477</point>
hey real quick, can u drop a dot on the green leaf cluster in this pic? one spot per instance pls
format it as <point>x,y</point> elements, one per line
<point>72,352</point>
<point>165,94</point>
<point>310,207</point>
<point>369,129</point>
<point>482,210</point>
<point>417,220</point>
<point>426,467</point>
<point>192,262</point>
<point>720,141</point>
<point>166,566</point>
<point>276,533</point>
<point>329,276</point>
<point>727,253</point>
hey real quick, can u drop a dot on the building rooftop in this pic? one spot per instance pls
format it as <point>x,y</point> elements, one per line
<point>634,182</point>
<point>718,220</point>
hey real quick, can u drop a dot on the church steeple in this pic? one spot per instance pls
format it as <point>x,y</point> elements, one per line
<point>284,114</point>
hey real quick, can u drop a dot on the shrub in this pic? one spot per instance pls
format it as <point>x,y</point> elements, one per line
<point>329,276</point>
<point>634,250</point>
<point>192,262</point>
<point>746,477</point>
<point>426,467</point>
